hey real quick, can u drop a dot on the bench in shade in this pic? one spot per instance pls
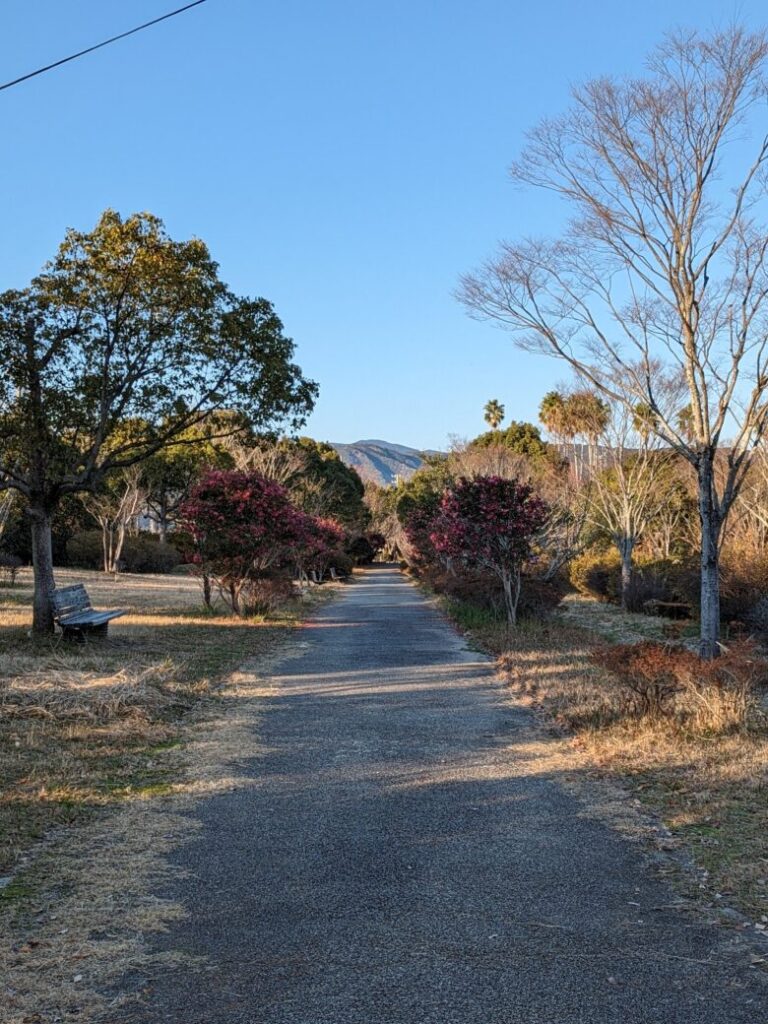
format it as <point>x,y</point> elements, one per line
<point>72,610</point>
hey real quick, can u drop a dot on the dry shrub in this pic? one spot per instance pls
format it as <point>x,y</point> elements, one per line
<point>720,695</point>
<point>594,574</point>
<point>538,597</point>
<point>647,671</point>
<point>598,575</point>
<point>143,553</point>
<point>266,596</point>
<point>743,582</point>
<point>671,682</point>
<point>743,585</point>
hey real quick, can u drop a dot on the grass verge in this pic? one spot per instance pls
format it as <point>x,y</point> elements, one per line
<point>87,726</point>
<point>710,791</point>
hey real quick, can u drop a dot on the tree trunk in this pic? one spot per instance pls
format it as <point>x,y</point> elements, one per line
<point>626,546</point>
<point>117,549</point>
<point>162,519</point>
<point>42,561</point>
<point>207,590</point>
<point>709,517</point>
<point>511,584</point>
<point>105,545</point>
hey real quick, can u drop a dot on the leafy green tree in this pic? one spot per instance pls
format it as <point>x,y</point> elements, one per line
<point>522,439</point>
<point>126,323</point>
<point>326,486</point>
<point>424,488</point>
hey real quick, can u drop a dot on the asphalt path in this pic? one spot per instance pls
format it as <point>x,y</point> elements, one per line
<point>402,857</point>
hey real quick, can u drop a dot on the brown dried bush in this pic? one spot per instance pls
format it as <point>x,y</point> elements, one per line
<point>669,681</point>
<point>266,596</point>
<point>647,671</point>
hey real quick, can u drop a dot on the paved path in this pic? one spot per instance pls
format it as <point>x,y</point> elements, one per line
<point>398,860</point>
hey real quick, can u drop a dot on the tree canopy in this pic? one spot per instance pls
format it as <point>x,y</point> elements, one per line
<point>126,323</point>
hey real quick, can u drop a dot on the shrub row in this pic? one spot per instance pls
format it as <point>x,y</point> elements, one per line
<point>141,553</point>
<point>483,590</point>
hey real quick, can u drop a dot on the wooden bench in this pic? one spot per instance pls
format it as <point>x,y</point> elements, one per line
<point>73,612</point>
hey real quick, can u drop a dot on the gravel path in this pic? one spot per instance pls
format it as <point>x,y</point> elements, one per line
<point>401,859</point>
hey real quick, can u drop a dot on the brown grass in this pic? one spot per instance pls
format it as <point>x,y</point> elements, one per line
<point>82,726</point>
<point>146,726</point>
<point>710,789</point>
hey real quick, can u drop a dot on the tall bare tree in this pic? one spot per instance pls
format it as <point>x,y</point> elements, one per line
<point>625,493</point>
<point>661,274</point>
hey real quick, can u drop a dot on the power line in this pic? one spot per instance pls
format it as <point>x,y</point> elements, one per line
<point>98,46</point>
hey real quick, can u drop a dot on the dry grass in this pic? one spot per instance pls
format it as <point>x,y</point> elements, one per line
<point>710,790</point>
<point>148,724</point>
<point>82,726</point>
<point>618,626</point>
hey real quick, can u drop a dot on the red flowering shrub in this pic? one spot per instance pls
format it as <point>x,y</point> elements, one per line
<point>419,525</point>
<point>490,523</point>
<point>322,547</point>
<point>241,527</point>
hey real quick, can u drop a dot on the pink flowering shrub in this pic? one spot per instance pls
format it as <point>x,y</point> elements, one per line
<point>490,523</point>
<point>242,527</point>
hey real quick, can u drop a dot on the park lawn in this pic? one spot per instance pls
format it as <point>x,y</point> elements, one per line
<point>86,726</point>
<point>711,792</point>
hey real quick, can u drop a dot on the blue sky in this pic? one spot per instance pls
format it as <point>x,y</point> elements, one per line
<point>347,160</point>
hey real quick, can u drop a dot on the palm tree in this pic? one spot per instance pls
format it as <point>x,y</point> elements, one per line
<point>494,413</point>
<point>554,415</point>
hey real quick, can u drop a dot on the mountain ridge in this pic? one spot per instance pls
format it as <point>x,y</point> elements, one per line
<point>381,462</point>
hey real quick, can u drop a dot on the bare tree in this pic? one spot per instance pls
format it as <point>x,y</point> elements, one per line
<point>114,510</point>
<point>662,272</point>
<point>271,459</point>
<point>471,461</point>
<point>624,495</point>
<point>751,508</point>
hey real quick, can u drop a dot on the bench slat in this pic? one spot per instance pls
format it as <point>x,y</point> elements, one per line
<point>89,618</point>
<point>71,598</point>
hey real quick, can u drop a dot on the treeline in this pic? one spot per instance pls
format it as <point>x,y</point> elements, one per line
<point>617,517</point>
<point>132,520</point>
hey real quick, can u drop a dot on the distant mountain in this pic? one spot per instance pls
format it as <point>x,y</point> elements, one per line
<point>381,461</point>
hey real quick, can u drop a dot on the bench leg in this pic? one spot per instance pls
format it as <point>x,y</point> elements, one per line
<point>74,634</point>
<point>81,634</point>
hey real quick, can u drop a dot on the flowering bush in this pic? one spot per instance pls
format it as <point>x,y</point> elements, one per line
<point>490,523</point>
<point>241,527</point>
<point>323,547</point>
<point>419,525</point>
